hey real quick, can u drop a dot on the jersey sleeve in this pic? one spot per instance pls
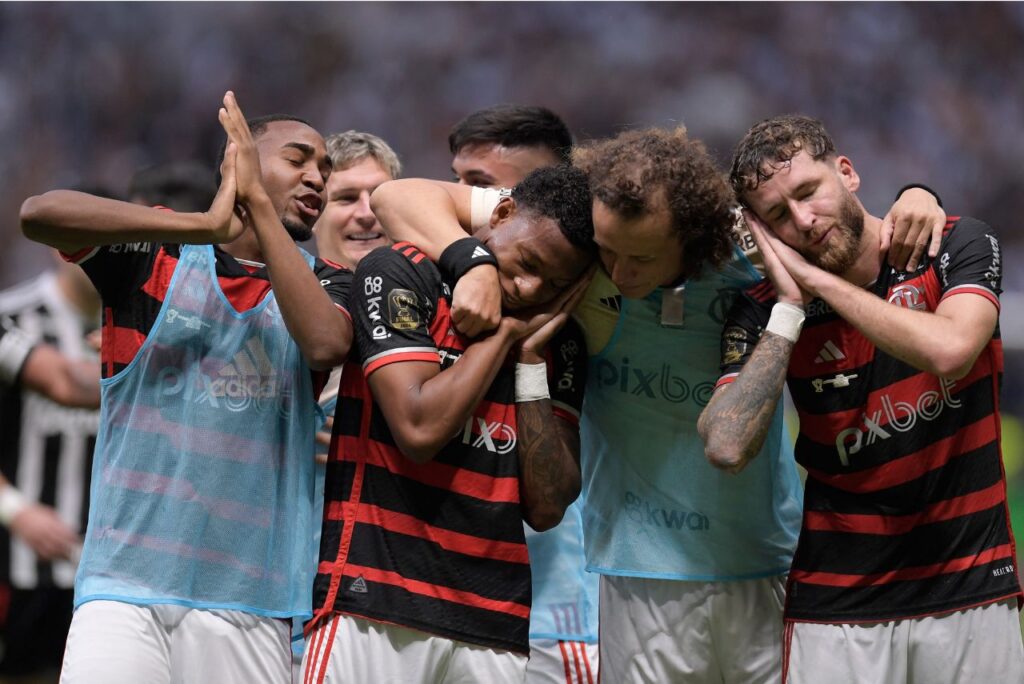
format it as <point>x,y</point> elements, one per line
<point>393,302</point>
<point>970,261</point>
<point>336,281</point>
<point>566,356</point>
<point>743,329</point>
<point>15,346</point>
<point>117,270</point>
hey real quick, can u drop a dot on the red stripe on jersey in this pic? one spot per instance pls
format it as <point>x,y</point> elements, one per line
<point>763,292</point>
<point>119,345</point>
<point>974,290</point>
<point>435,474</point>
<point>399,357</point>
<point>418,258</point>
<point>449,540</point>
<point>243,292</point>
<point>159,280</point>
<point>466,598</point>
<point>399,246</point>
<point>835,579</point>
<point>901,524</point>
<point>897,403</point>
<point>912,466</point>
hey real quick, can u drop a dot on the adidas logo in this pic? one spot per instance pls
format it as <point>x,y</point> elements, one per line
<point>249,376</point>
<point>358,585</point>
<point>613,303</point>
<point>480,252</point>
<point>829,353</point>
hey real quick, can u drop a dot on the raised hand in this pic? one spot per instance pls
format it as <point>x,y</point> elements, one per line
<point>769,245</point>
<point>224,223</point>
<point>537,325</point>
<point>248,176</point>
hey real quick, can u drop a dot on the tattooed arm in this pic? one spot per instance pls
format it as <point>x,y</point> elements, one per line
<point>736,420</point>
<point>549,441</point>
<point>549,464</point>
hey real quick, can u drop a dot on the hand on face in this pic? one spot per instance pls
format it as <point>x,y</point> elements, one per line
<point>783,264</point>
<point>535,326</point>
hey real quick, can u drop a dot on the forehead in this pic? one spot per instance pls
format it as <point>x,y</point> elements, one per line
<point>645,235</point>
<point>787,176</point>
<point>366,172</point>
<point>278,134</point>
<point>494,158</point>
<point>542,238</point>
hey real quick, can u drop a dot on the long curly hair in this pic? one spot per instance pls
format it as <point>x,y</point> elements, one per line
<point>641,171</point>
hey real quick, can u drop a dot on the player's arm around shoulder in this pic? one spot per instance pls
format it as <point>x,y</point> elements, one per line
<point>550,377</point>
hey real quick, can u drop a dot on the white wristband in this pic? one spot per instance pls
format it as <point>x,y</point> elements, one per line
<point>786,321</point>
<point>12,502</point>
<point>531,381</point>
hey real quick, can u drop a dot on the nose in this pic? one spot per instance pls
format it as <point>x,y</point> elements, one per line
<point>311,177</point>
<point>619,270</point>
<point>803,217</point>
<point>528,288</point>
<point>363,214</point>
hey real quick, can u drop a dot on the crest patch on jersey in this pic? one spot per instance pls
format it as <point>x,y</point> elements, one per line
<point>403,313</point>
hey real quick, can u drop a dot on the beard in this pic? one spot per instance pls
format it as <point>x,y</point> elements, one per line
<point>297,230</point>
<point>845,247</point>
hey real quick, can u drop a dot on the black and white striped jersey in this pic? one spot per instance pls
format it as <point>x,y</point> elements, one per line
<point>45,449</point>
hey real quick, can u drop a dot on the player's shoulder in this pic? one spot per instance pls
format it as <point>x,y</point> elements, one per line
<point>962,230</point>
<point>762,292</point>
<point>402,261</point>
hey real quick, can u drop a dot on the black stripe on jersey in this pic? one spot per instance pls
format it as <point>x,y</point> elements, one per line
<point>858,554</point>
<point>970,472</point>
<point>421,560</point>
<point>975,405</point>
<point>460,622</point>
<point>975,586</point>
<point>440,507</point>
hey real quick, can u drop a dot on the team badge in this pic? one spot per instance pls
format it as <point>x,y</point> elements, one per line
<point>402,311</point>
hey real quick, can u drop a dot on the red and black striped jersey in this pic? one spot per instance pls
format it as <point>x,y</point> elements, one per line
<point>133,279</point>
<point>437,547</point>
<point>905,509</point>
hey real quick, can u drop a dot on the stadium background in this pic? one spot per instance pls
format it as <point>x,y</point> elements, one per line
<point>928,92</point>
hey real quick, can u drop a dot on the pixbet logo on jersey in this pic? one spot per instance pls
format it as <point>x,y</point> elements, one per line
<point>900,416</point>
<point>494,436</point>
<point>660,384</point>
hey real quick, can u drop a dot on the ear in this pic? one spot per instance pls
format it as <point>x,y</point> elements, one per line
<point>505,210</point>
<point>848,174</point>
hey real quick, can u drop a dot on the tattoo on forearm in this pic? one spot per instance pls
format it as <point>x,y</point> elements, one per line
<point>548,469</point>
<point>743,413</point>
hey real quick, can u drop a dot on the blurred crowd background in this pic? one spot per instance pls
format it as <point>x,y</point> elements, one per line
<point>926,92</point>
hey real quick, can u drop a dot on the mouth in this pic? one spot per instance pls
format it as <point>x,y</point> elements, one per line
<point>309,204</point>
<point>817,242</point>
<point>365,237</point>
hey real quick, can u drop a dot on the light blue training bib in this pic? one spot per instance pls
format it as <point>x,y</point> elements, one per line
<point>655,507</point>
<point>202,481</point>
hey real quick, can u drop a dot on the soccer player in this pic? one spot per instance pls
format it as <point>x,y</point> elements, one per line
<point>442,448</point>
<point>198,543</point>
<point>677,543</point>
<point>496,148</point>
<point>49,376</point>
<point>904,571</point>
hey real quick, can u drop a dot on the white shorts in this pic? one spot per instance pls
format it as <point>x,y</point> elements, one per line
<point>656,631</point>
<point>561,662</point>
<point>350,650</point>
<point>111,642</point>
<point>976,646</point>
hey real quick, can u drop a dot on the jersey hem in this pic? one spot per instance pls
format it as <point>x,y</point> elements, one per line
<point>199,605</point>
<point>781,570</point>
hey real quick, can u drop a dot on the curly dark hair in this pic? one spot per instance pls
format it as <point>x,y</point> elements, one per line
<point>638,172</point>
<point>513,126</point>
<point>769,146</point>
<point>562,193</point>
